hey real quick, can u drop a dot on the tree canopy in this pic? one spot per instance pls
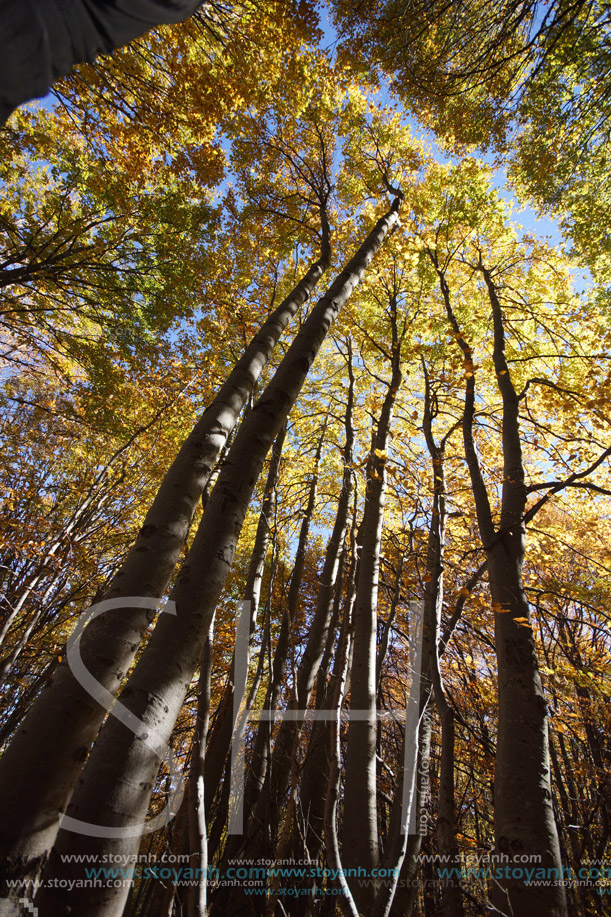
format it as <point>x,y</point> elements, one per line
<point>278,352</point>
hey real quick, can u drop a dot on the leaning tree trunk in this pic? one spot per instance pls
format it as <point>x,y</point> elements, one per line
<point>117,781</point>
<point>64,720</point>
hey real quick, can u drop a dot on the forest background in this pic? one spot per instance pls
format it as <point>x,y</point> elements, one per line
<point>425,445</point>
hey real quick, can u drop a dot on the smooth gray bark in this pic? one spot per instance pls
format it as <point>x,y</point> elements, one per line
<point>220,739</point>
<point>451,896</point>
<point>360,828</point>
<point>117,781</point>
<point>403,849</point>
<point>64,719</point>
<point>523,808</point>
<point>341,673</point>
<point>197,898</point>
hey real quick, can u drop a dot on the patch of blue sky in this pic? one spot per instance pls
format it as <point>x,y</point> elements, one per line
<point>47,103</point>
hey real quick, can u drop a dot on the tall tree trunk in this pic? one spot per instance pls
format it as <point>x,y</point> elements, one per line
<point>403,848</point>
<point>308,818</point>
<point>221,808</point>
<point>117,781</point>
<point>315,773</point>
<point>218,745</point>
<point>446,828</point>
<point>64,720</point>
<point>284,766</point>
<point>341,673</point>
<point>523,811</point>
<point>257,807</point>
<point>197,902</point>
<point>360,828</point>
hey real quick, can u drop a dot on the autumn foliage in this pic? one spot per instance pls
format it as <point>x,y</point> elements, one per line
<point>404,480</point>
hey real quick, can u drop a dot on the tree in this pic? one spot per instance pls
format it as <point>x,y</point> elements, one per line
<point>114,639</point>
<point>325,481</point>
<point>176,649</point>
<point>529,80</point>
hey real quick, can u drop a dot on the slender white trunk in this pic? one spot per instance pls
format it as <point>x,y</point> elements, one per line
<point>360,827</point>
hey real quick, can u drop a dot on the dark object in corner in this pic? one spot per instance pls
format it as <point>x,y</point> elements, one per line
<point>41,40</point>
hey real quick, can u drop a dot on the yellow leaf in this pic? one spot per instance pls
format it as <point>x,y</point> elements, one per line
<point>496,606</point>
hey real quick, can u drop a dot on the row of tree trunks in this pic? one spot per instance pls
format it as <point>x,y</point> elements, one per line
<point>257,839</point>
<point>117,780</point>
<point>225,721</point>
<point>65,718</point>
<point>286,769</point>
